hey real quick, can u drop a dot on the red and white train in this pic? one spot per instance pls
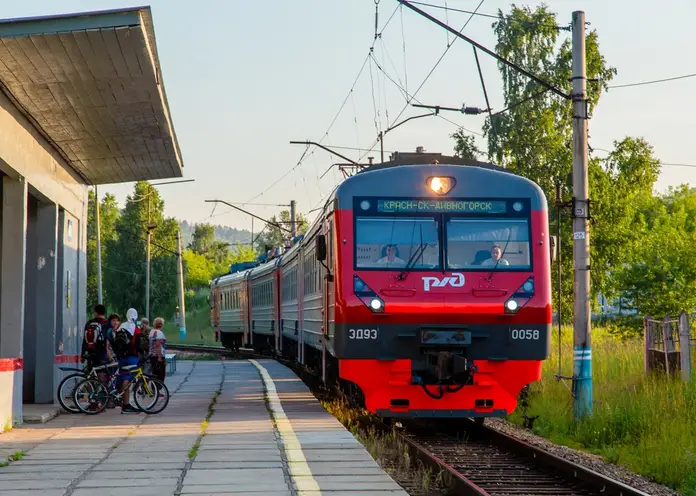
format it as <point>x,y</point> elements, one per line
<point>423,289</point>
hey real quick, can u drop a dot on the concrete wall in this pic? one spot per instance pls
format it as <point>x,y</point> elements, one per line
<point>39,325</point>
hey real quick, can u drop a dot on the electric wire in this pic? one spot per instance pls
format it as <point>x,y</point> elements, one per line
<point>340,109</point>
<point>415,93</point>
<point>654,81</point>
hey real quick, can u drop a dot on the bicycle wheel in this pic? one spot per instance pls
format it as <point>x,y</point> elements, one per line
<point>152,400</point>
<point>145,393</point>
<point>66,392</point>
<point>91,396</point>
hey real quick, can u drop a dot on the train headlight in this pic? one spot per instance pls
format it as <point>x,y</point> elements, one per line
<point>441,185</point>
<point>376,305</point>
<point>367,295</point>
<point>520,297</point>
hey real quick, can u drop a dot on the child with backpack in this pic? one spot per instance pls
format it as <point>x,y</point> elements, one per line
<point>127,339</point>
<point>95,346</point>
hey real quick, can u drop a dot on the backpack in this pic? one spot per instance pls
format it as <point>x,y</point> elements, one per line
<point>122,343</point>
<point>94,337</point>
<point>141,343</point>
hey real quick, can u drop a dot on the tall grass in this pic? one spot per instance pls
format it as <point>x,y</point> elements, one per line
<point>647,424</point>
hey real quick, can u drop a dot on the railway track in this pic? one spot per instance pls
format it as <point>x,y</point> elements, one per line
<point>198,348</point>
<point>482,461</point>
<point>478,460</point>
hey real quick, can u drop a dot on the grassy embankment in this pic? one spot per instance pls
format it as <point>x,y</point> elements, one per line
<point>198,330</point>
<point>647,424</point>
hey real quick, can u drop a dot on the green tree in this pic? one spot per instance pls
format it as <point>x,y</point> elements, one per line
<point>661,280</point>
<point>108,213</point>
<point>127,252</point>
<point>534,139</point>
<point>198,270</point>
<point>465,145</point>
<point>203,238</point>
<point>274,237</point>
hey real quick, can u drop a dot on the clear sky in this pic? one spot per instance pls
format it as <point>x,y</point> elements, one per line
<point>245,77</point>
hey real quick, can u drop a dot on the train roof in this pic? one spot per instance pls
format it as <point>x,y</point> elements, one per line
<point>235,276</point>
<point>263,268</point>
<point>472,181</point>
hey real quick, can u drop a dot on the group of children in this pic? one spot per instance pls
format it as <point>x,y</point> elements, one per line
<point>106,341</point>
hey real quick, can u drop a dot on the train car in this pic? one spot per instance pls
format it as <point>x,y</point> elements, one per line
<point>424,290</point>
<point>441,277</point>
<point>264,311</point>
<point>291,289</point>
<point>230,308</point>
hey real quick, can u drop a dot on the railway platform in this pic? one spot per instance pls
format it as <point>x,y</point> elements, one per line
<point>231,427</point>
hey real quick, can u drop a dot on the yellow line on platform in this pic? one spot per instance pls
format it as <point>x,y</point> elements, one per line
<point>299,469</point>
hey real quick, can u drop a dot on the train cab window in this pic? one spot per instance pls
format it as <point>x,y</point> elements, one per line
<point>487,243</point>
<point>388,243</point>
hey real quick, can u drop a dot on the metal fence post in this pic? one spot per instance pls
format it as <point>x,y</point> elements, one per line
<point>685,347</point>
<point>668,341</point>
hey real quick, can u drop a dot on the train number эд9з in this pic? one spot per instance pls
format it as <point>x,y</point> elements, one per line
<point>362,333</point>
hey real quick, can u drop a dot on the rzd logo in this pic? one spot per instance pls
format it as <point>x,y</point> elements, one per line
<point>456,280</point>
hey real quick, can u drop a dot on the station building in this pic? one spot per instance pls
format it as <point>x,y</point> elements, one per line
<point>82,103</point>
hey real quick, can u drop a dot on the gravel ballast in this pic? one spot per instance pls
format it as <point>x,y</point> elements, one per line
<point>593,462</point>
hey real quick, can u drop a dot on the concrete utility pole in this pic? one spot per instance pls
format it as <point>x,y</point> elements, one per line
<point>150,227</point>
<point>293,224</point>
<point>180,277</point>
<point>100,294</point>
<point>582,349</point>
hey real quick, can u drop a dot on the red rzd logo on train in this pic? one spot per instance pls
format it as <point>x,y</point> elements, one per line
<point>456,280</point>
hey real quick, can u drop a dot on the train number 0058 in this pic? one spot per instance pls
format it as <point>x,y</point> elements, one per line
<point>525,334</point>
<point>362,333</point>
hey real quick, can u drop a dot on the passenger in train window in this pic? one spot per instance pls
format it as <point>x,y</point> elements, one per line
<point>496,257</point>
<point>390,256</point>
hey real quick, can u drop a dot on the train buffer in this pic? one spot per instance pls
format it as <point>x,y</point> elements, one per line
<point>265,434</point>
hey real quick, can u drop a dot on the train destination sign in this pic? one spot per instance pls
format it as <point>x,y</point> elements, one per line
<point>442,206</point>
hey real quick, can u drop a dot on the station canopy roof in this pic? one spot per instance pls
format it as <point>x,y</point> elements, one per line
<point>91,84</point>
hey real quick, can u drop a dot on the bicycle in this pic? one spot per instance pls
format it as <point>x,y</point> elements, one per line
<point>150,395</point>
<point>66,387</point>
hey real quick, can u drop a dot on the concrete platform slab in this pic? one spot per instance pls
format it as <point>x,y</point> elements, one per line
<point>260,487</point>
<point>227,465</point>
<point>39,414</point>
<point>33,485</point>
<point>247,477</point>
<point>239,456</point>
<point>44,492</point>
<point>162,482</point>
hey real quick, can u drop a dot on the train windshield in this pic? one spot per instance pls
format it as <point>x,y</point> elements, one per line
<point>390,242</point>
<point>485,244</point>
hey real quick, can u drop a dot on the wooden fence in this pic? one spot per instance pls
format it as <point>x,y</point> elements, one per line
<point>668,346</point>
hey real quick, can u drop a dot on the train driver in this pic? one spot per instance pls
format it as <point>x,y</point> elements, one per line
<point>391,256</point>
<point>496,256</point>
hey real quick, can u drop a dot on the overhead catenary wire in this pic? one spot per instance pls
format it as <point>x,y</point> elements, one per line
<point>481,14</point>
<point>340,109</point>
<point>427,77</point>
<point>654,81</point>
<point>411,98</point>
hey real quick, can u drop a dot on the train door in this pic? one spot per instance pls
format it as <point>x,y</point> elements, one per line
<point>327,295</point>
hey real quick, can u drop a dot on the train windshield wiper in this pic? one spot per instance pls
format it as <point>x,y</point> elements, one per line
<point>414,257</point>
